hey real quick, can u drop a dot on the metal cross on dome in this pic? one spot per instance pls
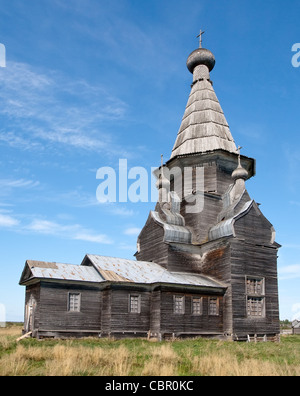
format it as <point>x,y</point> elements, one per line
<point>200,38</point>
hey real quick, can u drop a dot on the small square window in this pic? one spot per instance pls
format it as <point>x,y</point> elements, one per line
<point>255,286</point>
<point>255,307</point>
<point>178,304</point>
<point>74,302</point>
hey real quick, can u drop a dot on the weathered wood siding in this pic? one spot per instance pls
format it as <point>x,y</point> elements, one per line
<point>188,323</point>
<point>258,262</point>
<point>200,223</point>
<point>152,246</point>
<point>106,311</point>
<point>123,321</point>
<point>155,325</point>
<point>253,255</point>
<point>182,261</point>
<point>254,228</point>
<point>216,182</point>
<point>216,262</point>
<point>54,313</point>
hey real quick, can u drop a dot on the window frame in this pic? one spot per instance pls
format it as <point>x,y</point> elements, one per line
<point>176,298</point>
<point>71,306</point>
<point>255,294</point>
<point>194,299</point>
<point>217,313</point>
<point>252,290</point>
<point>250,310</point>
<point>130,305</point>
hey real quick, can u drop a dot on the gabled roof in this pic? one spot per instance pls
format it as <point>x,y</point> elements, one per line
<point>58,271</point>
<point>144,272</point>
<point>101,269</point>
<point>296,324</point>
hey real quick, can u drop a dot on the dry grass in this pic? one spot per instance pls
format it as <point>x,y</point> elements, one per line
<point>139,357</point>
<point>226,364</point>
<point>163,361</point>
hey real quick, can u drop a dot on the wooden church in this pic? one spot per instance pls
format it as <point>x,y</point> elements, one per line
<point>206,260</point>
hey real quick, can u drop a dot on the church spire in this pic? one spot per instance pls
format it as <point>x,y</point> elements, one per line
<point>203,127</point>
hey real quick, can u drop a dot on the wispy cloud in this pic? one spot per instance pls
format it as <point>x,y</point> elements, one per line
<point>52,228</point>
<point>8,187</point>
<point>49,107</point>
<point>18,183</point>
<point>70,231</point>
<point>132,231</point>
<point>289,272</point>
<point>7,221</point>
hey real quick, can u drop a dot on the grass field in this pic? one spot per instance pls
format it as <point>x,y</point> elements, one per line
<point>198,357</point>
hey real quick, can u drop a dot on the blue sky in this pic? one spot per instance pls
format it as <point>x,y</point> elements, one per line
<point>89,82</point>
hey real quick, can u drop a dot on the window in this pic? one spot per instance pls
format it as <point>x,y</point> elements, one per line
<point>213,306</point>
<point>197,305</point>
<point>255,286</point>
<point>255,291</point>
<point>178,304</point>
<point>74,302</point>
<point>255,306</point>
<point>134,303</point>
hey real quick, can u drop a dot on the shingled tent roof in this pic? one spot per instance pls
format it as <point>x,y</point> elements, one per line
<point>203,127</point>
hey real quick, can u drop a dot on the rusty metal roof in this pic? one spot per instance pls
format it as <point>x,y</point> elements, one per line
<point>100,269</point>
<point>146,272</point>
<point>40,269</point>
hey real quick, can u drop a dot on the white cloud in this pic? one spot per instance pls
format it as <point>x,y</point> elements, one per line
<point>18,183</point>
<point>8,221</point>
<point>118,210</point>
<point>50,107</point>
<point>132,231</point>
<point>13,187</point>
<point>289,272</point>
<point>71,231</point>
<point>100,238</point>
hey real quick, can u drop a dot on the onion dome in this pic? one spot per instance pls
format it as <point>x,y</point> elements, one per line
<point>240,172</point>
<point>201,56</point>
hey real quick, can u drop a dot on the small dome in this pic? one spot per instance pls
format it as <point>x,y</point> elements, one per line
<point>201,56</point>
<point>240,173</point>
